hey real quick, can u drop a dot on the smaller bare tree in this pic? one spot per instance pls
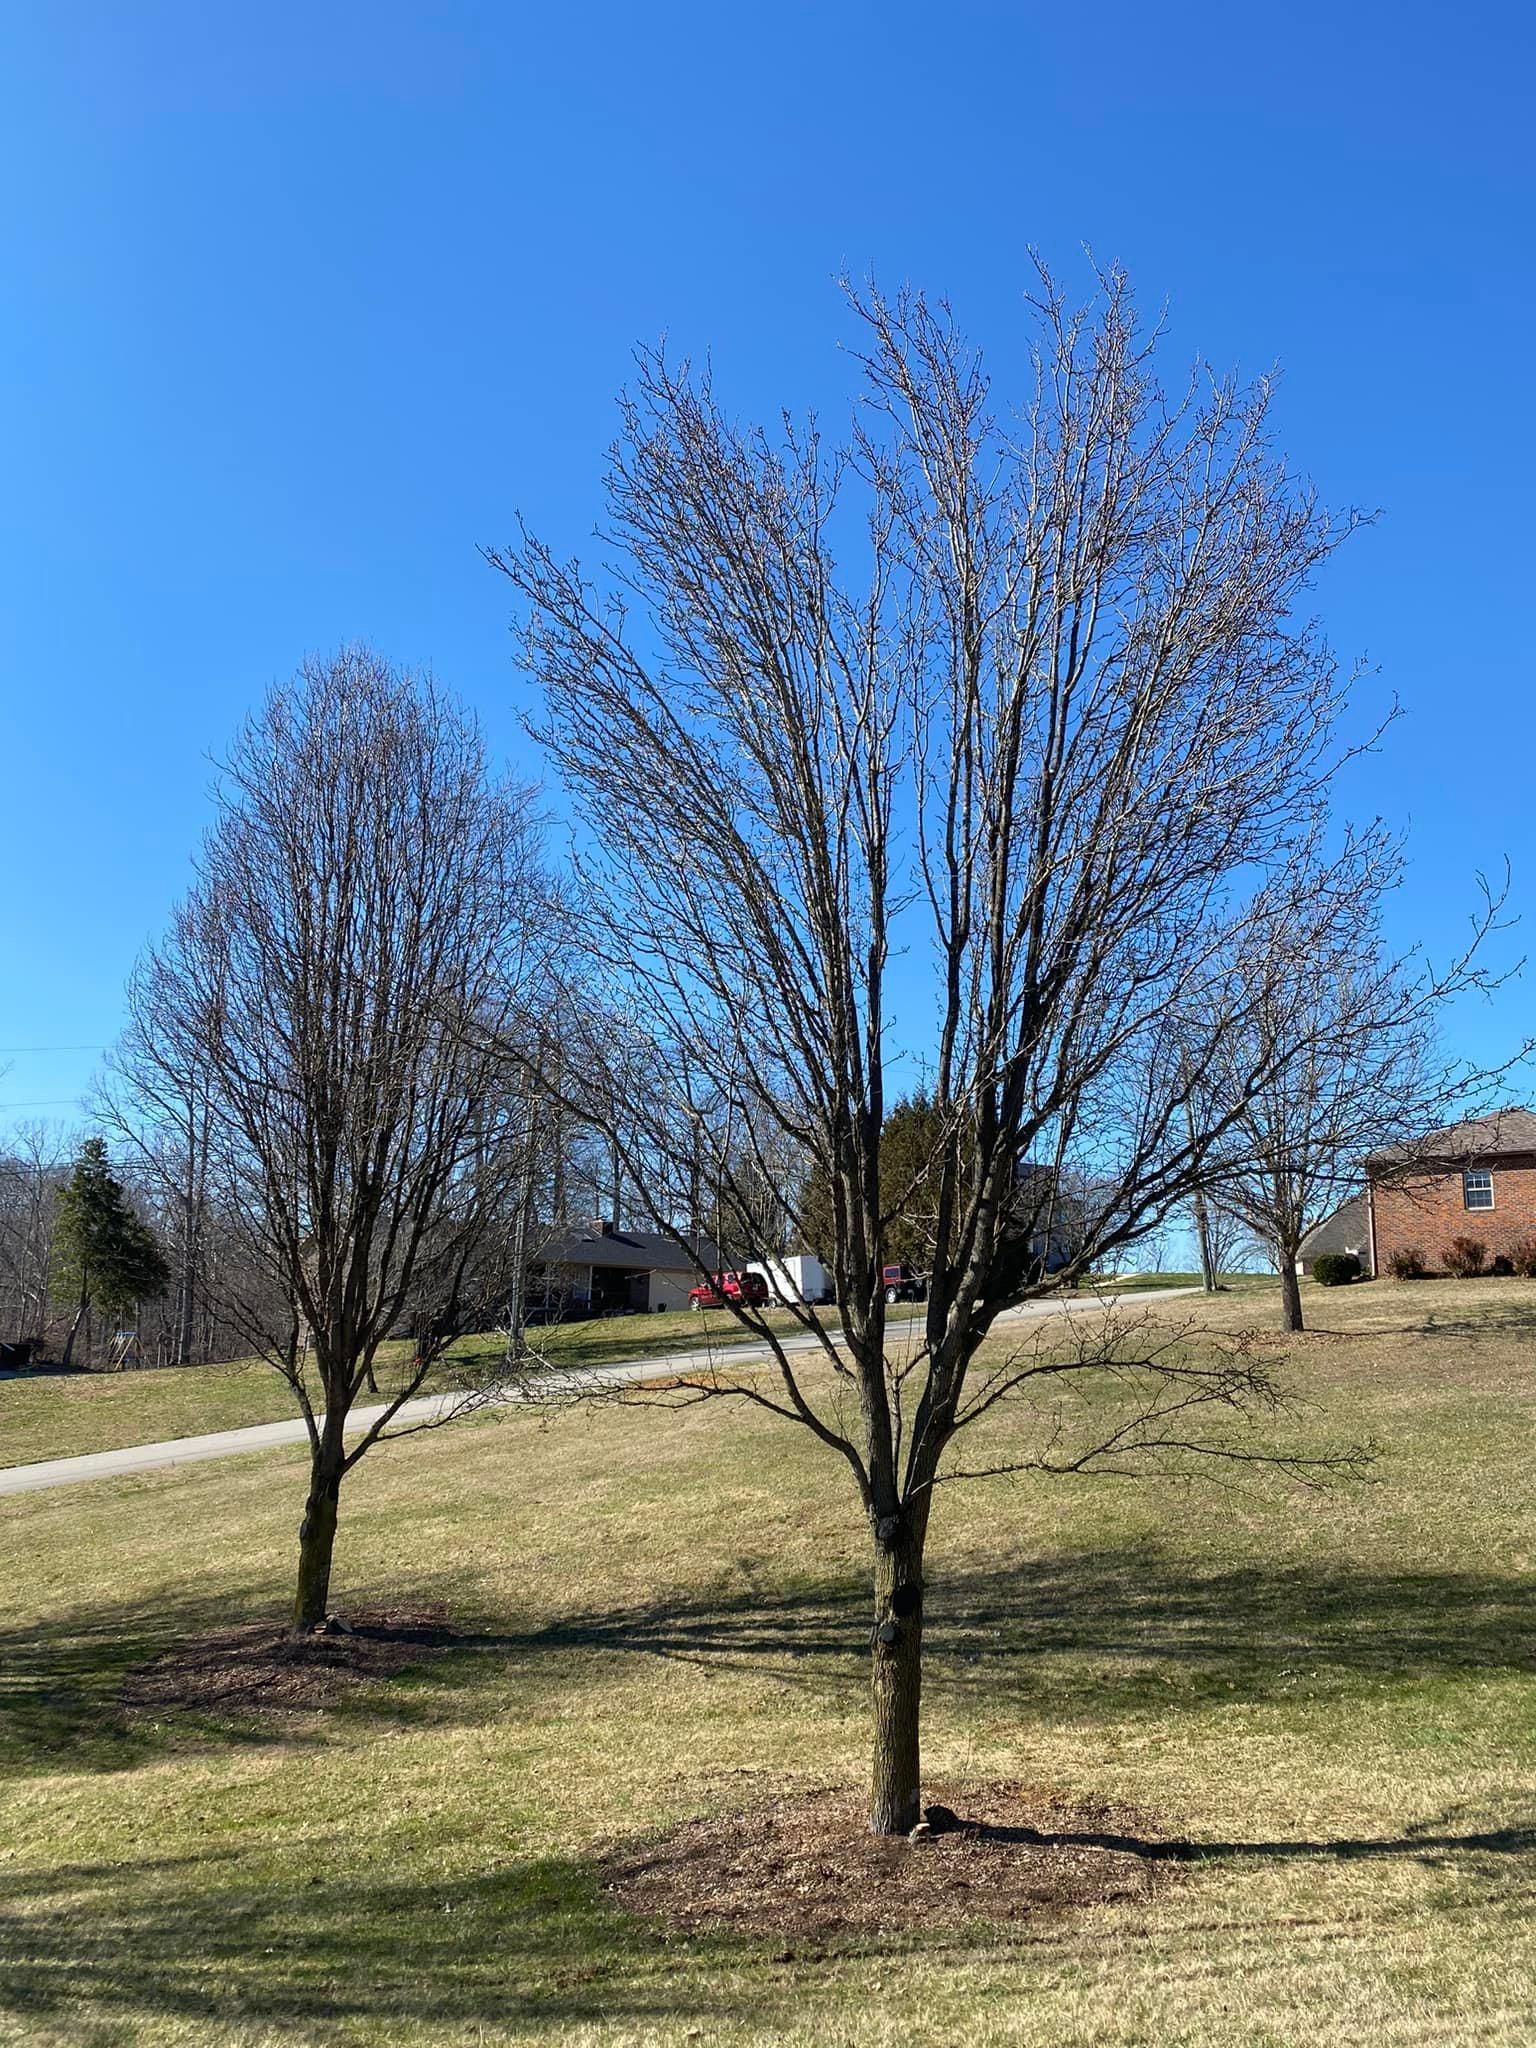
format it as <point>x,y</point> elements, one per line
<point>32,1170</point>
<point>1233,1246</point>
<point>366,918</point>
<point>1368,1070</point>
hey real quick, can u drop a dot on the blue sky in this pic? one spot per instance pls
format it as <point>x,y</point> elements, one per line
<point>299,305</point>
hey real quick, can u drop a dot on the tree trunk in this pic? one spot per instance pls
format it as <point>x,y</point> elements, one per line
<point>1290,1293</point>
<point>186,1286</point>
<point>897,1677</point>
<point>317,1540</point>
<point>1202,1220</point>
<point>1203,1233</point>
<point>74,1330</point>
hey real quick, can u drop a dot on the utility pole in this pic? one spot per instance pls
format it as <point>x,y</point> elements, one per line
<point>1202,1219</point>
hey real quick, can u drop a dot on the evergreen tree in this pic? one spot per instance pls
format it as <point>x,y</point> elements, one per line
<point>103,1255</point>
<point>910,1141</point>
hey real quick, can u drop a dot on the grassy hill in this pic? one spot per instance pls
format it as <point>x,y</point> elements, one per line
<point>664,1615</point>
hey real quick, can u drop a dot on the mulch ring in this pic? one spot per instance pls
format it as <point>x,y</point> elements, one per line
<point>261,1668</point>
<point>806,1865</point>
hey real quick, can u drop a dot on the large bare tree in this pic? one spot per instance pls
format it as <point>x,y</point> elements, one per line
<point>366,917</point>
<point>961,747</point>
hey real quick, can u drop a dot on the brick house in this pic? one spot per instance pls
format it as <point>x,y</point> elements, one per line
<point>1475,1180</point>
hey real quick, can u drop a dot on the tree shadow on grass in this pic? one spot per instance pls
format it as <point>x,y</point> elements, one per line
<point>1095,1635</point>
<point>227,1939</point>
<point>1433,1842</point>
<point>1507,1318</point>
<point>1101,1635</point>
<point>215,1940</point>
<point>72,1697</point>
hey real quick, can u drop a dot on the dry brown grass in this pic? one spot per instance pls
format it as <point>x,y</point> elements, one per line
<point>64,1415</point>
<point>665,1618</point>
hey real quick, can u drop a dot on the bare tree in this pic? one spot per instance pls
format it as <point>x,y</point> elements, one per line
<point>1026,697</point>
<point>365,918</point>
<point>33,1169</point>
<point>1373,1073</point>
<point>1234,1248</point>
<point>159,1110</point>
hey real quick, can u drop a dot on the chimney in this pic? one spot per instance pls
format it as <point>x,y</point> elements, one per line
<point>605,1226</point>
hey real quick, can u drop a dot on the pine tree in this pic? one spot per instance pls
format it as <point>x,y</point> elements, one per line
<point>911,1138</point>
<point>103,1254</point>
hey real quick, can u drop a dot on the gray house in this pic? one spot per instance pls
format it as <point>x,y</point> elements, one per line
<point>1348,1229</point>
<point>596,1269</point>
<point>1051,1219</point>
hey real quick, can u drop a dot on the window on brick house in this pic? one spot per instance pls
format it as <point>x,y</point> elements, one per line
<point>1477,1190</point>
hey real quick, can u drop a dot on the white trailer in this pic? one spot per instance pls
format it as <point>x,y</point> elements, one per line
<point>797,1278</point>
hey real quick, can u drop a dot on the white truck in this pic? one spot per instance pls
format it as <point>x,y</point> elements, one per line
<point>797,1278</point>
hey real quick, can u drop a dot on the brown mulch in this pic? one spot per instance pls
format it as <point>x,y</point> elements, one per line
<point>806,1865</point>
<point>259,1667</point>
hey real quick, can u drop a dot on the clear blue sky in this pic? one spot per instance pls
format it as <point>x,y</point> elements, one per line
<point>299,304</point>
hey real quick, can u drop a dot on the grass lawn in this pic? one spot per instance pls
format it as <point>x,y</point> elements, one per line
<point>61,1415</point>
<point>1230,1283</point>
<point>666,1613</point>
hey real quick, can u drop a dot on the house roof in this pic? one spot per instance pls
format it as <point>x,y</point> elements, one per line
<point>632,1251</point>
<point>1504,1132</point>
<point>1346,1230</point>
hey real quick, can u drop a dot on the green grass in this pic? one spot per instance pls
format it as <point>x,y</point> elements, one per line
<point>61,1415</point>
<point>666,1612</point>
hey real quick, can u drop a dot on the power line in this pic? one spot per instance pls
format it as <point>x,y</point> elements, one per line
<point>52,1048</point>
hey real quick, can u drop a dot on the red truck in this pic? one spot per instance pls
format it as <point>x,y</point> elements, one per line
<point>720,1289</point>
<point>902,1284</point>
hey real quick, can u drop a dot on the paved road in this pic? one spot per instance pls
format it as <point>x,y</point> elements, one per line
<point>263,1436</point>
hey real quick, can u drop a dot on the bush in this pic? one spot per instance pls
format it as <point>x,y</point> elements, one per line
<point>1335,1269</point>
<point>1501,1268</point>
<point>1465,1257</point>
<point>1522,1257</point>
<point>1407,1264</point>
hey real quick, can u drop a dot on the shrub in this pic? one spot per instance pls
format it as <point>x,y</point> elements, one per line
<point>1501,1268</point>
<point>1407,1264</point>
<point>1522,1257</point>
<point>1465,1257</point>
<point>1335,1269</point>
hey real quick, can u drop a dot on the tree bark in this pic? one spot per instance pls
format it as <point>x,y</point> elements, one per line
<point>1290,1293</point>
<point>317,1540</point>
<point>896,1677</point>
<point>74,1331</point>
<point>1203,1233</point>
<point>1202,1220</point>
<point>186,1291</point>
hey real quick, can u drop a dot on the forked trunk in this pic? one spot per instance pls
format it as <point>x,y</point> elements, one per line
<point>1290,1294</point>
<point>317,1542</point>
<point>896,1804</point>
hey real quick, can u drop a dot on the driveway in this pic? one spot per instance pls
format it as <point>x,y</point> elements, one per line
<point>264,1436</point>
